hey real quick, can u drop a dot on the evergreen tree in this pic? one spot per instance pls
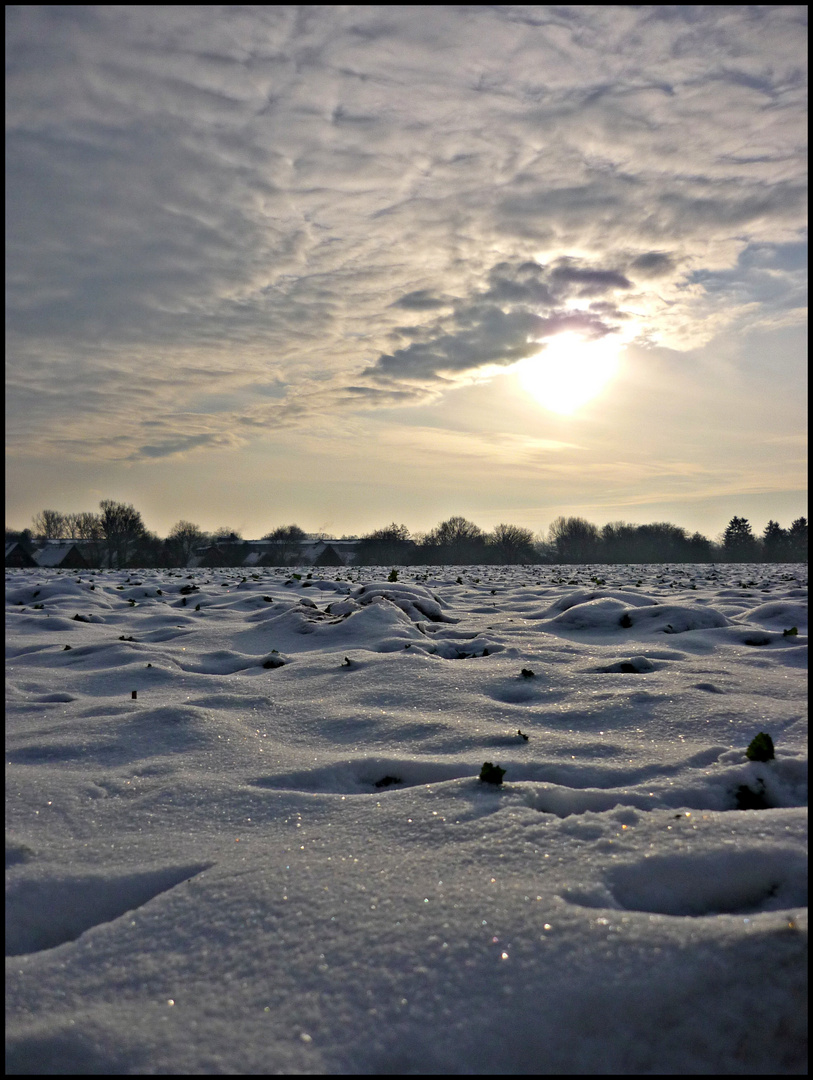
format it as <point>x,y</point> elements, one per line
<point>739,543</point>
<point>774,542</point>
<point>797,540</point>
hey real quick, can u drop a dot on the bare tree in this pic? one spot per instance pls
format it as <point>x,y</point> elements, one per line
<point>389,545</point>
<point>122,527</point>
<point>72,526</point>
<point>49,525</point>
<point>513,544</point>
<point>90,533</point>
<point>183,538</point>
<point>286,544</point>
<point>224,535</point>
<point>574,540</point>
<point>455,540</point>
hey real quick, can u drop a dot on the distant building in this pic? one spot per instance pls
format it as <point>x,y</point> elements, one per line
<point>17,557</point>
<point>328,556</point>
<point>313,551</point>
<point>223,554</point>
<point>61,554</point>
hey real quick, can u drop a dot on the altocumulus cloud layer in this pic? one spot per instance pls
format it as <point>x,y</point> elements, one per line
<point>227,220</point>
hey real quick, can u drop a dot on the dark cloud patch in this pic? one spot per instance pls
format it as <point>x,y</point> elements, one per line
<point>377,396</point>
<point>508,321</point>
<point>522,284</point>
<point>183,445</point>
<point>421,300</point>
<point>588,282</point>
<point>342,115</point>
<point>652,264</point>
<point>523,304</point>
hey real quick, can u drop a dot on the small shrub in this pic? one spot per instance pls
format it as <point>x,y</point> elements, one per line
<point>393,575</point>
<point>794,630</point>
<point>522,735</point>
<point>527,673</point>
<point>625,621</point>
<point>491,774</point>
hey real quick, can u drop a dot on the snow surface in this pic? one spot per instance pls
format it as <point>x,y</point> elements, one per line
<point>278,856</point>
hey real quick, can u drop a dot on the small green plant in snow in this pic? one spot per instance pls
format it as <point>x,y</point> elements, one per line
<point>760,748</point>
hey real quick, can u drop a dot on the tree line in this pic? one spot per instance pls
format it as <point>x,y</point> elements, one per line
<point>117,536</point>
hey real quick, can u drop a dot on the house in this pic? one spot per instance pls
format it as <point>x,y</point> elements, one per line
<point>226,553</point>
<point>62,554</point>
<point>17,556</point>
<point>253,554</point>
<point>314,550</point>
<point>328,556</point>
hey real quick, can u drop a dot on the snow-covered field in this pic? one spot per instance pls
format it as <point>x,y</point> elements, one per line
<point>245,830</point>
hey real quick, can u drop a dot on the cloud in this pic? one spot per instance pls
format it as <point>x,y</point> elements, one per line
<point>652,264</point>
<point>174,447</point>
<point>522,306</point>
<point>420,300</point>
<point>205,202</point>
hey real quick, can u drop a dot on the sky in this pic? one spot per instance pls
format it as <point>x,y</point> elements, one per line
<point>343,266</point>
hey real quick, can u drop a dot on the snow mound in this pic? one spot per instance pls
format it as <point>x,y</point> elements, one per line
<point>418,603</point>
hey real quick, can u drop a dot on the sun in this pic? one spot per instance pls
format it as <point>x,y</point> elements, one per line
<point>570,371</point>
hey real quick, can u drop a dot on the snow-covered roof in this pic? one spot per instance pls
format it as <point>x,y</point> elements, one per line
<point>54,552</point>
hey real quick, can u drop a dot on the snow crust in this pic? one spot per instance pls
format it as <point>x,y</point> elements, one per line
<point>245,831</point>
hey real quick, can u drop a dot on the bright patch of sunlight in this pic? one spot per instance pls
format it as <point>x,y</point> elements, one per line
<point>569,371</point>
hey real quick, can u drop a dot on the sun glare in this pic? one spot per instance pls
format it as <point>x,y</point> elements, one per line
<point>570,371</point>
